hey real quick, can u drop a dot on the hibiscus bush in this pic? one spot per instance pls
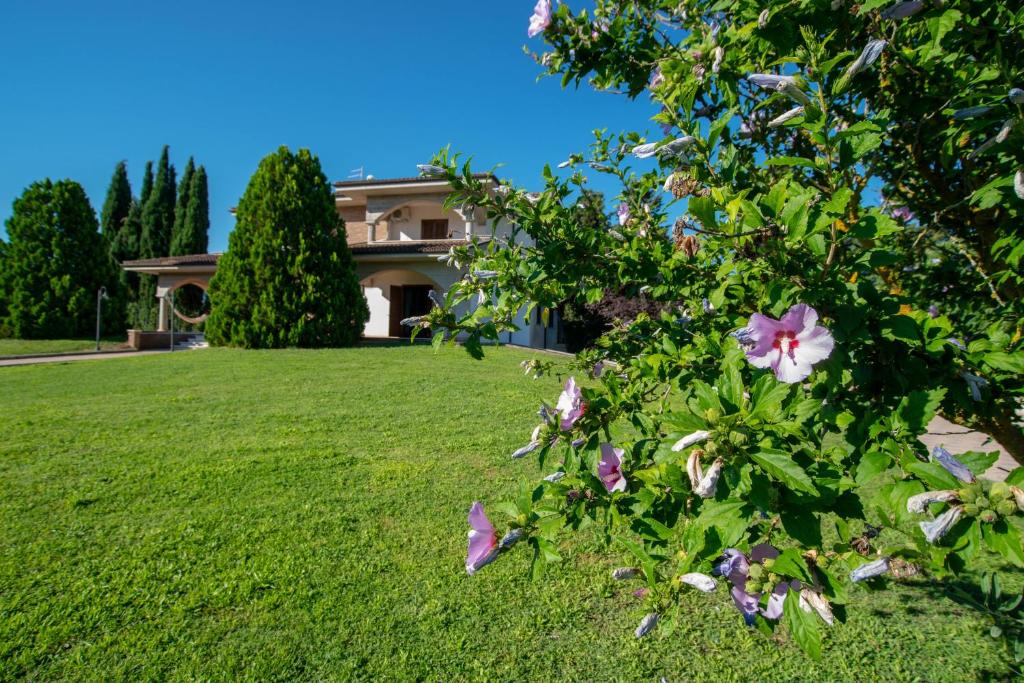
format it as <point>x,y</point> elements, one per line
<point>757,430</point>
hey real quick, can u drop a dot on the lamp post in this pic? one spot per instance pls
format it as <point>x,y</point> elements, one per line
<point>101,294</point>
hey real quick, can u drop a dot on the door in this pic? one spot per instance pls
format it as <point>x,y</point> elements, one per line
<point>416,301</point>
<point>395,313</point>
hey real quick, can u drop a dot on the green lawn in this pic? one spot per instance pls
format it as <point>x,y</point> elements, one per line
<point>280,515</point>
<point>25,347</point>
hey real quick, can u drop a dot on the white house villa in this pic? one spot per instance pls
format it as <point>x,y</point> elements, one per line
<point>397,228</point>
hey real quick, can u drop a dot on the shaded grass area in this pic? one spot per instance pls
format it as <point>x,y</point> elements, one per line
<point>25,347</point>
<point>301,515</point>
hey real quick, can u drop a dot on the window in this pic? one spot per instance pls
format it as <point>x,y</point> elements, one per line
<point>434,229</point>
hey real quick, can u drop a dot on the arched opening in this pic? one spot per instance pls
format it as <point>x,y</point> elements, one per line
<point>191,304</point>
<point>393,295</point>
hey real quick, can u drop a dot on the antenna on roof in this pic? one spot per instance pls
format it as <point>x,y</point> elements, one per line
<point>356,173</point>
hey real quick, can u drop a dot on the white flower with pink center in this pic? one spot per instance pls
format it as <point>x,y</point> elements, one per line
<point>789,346</point>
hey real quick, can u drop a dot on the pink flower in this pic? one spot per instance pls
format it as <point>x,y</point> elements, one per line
<point>610,468</point>
<point>540,19</point>
<point>483,539</point>
<point>623,213</point>
<point>570,404</point>
<point>789,346</point>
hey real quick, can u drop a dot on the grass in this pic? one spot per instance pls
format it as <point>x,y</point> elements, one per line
<point>301,515</point>
<point>25,347</point>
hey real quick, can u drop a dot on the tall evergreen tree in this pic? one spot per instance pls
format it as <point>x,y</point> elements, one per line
<point>147,184</point>
<point>195,233</point>
<point>155,241</point>
<point>115,208</point>
<point>125,248</point>
<point>56,261</point>
<point>4,330</point>
<point>288,277</point>
<point>178,240</point>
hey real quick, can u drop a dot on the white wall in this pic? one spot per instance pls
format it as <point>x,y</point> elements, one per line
<point>411,229</point>
<point>377,277</point>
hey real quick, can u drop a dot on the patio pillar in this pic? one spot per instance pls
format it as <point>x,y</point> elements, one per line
<point>161,325</point>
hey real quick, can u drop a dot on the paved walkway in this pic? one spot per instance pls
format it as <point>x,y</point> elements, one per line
<point>957,439</point>
<point>98,355</point>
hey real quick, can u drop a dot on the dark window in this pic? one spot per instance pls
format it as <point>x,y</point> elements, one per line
<point>435,229</point>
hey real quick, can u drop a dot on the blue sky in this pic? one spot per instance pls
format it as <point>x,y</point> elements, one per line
<point>380,85</point>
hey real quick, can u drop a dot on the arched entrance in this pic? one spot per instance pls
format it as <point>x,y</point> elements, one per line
<point>191,301</point>
<point>394,294</point>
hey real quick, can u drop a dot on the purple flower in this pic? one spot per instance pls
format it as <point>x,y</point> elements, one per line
<point>783,84</point>
<point>540,19</point>
<point>870,570</point>
<point>970,113</point>
<point>902,213</point>
<point>790,346</point>
<point>647,625</point>
<point>867,57</point>
<point>623,212</point>
<point>951,465</point>
<point>510,539</point>
<point>570,405</point>
<point>597,370</point>
<point>957,343</point>
<point>1016,95</point>
<point>936,528</point>
<point>933,311</point>
<point>974,383</point>
<point>902,10</point>
<point>483,540</point>
<point>657,78</point>
<point>743,572</point>
<point>610,468</point>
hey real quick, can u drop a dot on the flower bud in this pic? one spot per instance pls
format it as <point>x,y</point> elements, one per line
<point>754,586</point>
<point>936,528</point>
<point>555,477</point>
<point>768,562</point>
<point>1000,491</point>
<point>755,571</point>
<point>647,625</point>
<point>690,439</point>
<point>869,570</point>
<point>510,539</point>
<point>919,503</point>
<point>701,582</point>
<point>762,18</point>
<point>1018,496</point>
<point>988,516</point>
<point>982,502</point>
<point>971,510</point>
<point>1006,508</point>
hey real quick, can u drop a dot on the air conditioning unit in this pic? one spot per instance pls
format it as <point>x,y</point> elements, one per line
<point>401,215</point>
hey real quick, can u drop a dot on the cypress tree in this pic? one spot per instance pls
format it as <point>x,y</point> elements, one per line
<point>196,234</point>
<point>287,278</point>
<point>115,208</point>
<point>179,239</point>
<point>155,241</point>
<point>147,183</point>
<point>55,263</point>
<point>4,330</point>
<point>124,249</point>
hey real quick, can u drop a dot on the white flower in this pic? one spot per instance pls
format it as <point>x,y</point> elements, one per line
<point>919,503</point>
<point>647,625</point>
<point>869,570</point>
<point>867,57</point>
<point>788,116</point>
<point>762,18</point>
<point>690,439</point>
<point>430,170</point>
<point>701,582</point>
<point>719,55</point>
<point>1018,183</point>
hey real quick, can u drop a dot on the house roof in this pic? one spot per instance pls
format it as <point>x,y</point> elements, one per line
<point>405,247</point>
<point>402,181</point>
<point>174,261</point>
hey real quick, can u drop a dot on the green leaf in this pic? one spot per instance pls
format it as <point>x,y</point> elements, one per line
<point>1016,477</point>
<point>1005,361</point>
<point>837,204</point>
<point>933,474</point>
<point>1004,539</point>
<point>978,462</point>
<point>901,327</point>
<point>802,525</point>
<point>790,563</point>
<point>871,465</point>
<point>803,626</point>
<point>790,161</point>
<point>729,518</point>
<point>766,397</point>
<point>781,467</point>
<point>917,409</point>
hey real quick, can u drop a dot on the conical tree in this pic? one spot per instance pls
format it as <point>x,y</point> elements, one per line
<point>195,234</point>
<point>117,204</point>
<point>55,263</point>
<point>178,240</point>
<point>287,278</point>
<point>147,184</point>
<point>157,222</point>
<point>125,248</point>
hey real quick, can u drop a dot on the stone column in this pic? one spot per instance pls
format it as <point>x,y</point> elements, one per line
<point>162,317</point>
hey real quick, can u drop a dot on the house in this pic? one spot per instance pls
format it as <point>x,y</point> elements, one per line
<point>397,230</point>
